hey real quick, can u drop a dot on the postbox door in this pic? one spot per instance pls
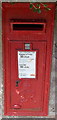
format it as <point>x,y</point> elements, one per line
<point>27,70</point>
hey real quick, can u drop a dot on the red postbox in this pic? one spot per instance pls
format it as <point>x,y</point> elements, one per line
<point>27,51</point>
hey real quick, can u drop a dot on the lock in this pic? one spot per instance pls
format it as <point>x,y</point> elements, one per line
<point>17,82</point>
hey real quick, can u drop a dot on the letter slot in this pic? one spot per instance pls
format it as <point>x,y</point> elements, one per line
<point>28,26</point>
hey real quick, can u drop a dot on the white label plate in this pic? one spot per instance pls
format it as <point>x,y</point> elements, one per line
<point>26,64</point>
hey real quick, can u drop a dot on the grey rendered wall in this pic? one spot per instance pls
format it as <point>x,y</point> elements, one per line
<point>28,0</point>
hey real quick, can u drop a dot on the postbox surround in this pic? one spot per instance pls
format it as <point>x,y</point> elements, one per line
<point>40,40</point>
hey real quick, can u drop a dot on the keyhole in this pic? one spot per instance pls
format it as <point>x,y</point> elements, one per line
<point>17,82</point>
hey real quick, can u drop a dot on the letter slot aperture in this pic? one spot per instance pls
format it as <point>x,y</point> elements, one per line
<point>28,26</point>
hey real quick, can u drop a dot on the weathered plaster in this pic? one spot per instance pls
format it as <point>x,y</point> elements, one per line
<point>28,0</point>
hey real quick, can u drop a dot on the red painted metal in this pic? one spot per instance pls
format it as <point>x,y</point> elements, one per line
<point>31,96</point>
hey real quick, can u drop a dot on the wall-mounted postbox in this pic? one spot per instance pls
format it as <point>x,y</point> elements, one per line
<point>27,51</point>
